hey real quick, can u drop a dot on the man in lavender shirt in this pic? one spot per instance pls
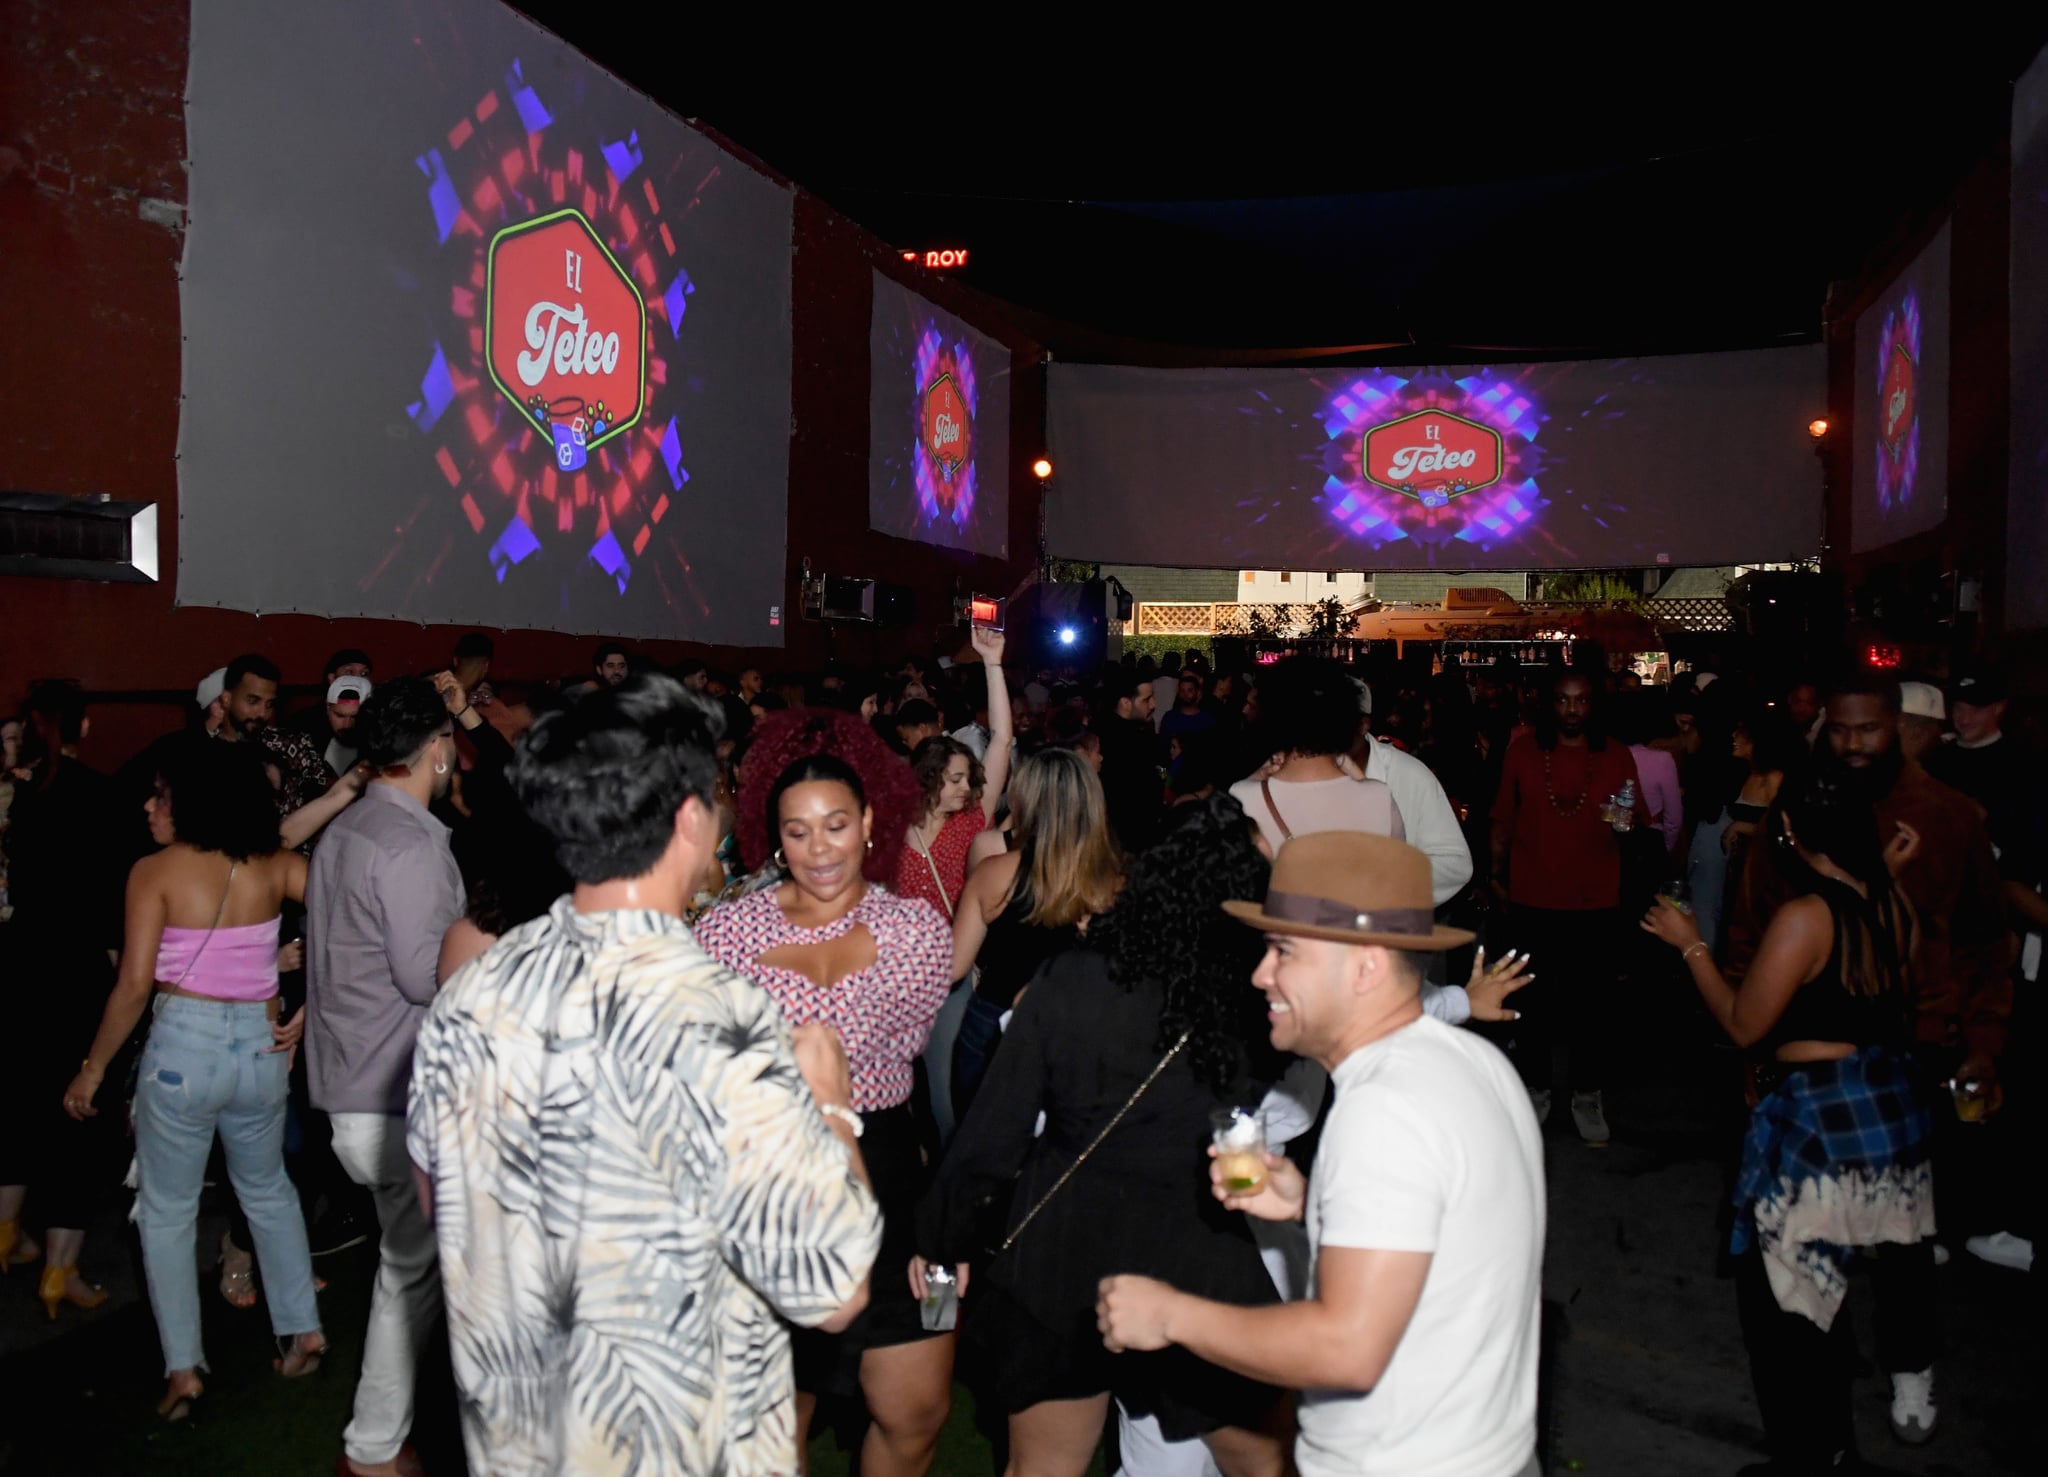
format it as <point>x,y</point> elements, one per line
<point>383,891</point>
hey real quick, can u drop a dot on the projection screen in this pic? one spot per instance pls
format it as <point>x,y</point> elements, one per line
<point>938,426</point>
<point>475,334</point>
<point>1900,484</point>
<point>2026,593</point>
<point>1689,459</point>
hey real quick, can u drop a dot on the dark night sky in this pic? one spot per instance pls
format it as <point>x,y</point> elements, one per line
<point>1430,183</point>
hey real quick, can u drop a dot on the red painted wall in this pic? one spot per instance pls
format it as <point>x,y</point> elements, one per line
<point>92,137</point>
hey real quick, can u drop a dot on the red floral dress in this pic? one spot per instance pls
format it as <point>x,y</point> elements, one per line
<point>883,1013</point>
<point>914,875</point>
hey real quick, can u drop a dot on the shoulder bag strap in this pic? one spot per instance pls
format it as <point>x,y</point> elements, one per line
<point>1266,789</point>
<point>1129,1103</point>
<point>220,913</point>
<point>917,845</point>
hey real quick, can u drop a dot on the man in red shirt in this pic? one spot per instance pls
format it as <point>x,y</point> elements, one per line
<point>1557,861</point>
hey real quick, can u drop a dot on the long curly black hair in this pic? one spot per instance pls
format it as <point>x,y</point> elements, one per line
<point>1168,924</point>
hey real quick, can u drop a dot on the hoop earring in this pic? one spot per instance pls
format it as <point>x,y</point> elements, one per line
<point>779,861</point>
<point>440,769</point>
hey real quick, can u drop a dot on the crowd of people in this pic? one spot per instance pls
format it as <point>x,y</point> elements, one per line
<point>718,1057</point>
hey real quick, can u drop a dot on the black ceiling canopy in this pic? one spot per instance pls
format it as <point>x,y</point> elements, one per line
<point>1446,185</point>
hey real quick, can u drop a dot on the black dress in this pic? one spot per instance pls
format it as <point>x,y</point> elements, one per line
<point>1077,1048</point>
<point>67,866</point>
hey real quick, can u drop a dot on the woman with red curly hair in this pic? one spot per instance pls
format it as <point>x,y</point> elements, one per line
<point>831,944</point>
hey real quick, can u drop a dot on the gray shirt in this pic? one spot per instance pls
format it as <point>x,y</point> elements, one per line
<point>383,891</point>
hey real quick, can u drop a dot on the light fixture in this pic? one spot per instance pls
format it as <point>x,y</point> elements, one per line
<point>1817,427</point>
<point>1067,635</point>
<point>1041,469</point>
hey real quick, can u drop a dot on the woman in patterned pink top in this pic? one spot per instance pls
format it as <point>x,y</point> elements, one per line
<point>830,946</point>
<point>961,793</point>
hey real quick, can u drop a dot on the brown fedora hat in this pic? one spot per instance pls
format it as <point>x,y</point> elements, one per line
<point>1352,888</point>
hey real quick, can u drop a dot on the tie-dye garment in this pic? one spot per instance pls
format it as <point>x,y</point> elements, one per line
<point>1836,1159</point>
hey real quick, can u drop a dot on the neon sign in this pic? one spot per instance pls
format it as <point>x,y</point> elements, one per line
<point>940,260</point>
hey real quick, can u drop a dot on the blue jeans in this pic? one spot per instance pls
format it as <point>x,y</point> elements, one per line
<point>981,1032</point>
<point>208,1067</point>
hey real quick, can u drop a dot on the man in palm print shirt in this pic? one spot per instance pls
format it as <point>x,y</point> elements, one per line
<point>606,1120</point>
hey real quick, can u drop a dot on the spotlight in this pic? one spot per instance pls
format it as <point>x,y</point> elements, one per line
<point>1067,635</point>
<point>1817,427</point>
<point>1041,469</point>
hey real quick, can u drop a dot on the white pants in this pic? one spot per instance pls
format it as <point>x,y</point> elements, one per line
<point>407,1299</point>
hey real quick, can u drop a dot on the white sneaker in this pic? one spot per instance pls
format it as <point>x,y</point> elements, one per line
<point>1590,1116</point>
<point>2003,1250</point>
<point>1913,1410</point>
<point>1539,1099</point>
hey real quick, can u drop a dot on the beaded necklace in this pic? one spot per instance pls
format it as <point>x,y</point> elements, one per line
<point>1578,801</point>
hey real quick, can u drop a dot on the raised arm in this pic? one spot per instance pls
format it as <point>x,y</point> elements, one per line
<point>303,824</point>
<point>995,765</point>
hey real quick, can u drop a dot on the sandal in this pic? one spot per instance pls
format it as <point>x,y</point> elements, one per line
<point>237,1275</point>
<point>177,1405</point>
<point>297,1360</point>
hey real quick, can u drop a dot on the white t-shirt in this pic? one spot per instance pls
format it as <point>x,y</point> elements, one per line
<point>1432,1146</point>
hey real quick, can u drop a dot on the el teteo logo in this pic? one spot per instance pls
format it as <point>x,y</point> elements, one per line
<point>945,426</point>
<point>565,332</point>
<point>1433,456</point>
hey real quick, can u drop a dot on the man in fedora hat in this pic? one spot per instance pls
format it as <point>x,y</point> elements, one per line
<point>1424,1205</point>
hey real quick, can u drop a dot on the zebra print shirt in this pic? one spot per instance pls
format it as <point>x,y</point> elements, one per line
<point>632,1189</point>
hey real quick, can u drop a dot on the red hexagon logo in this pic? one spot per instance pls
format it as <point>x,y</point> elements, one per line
<point>946,430</point>
<point>1899,399</point>
<point>565,329</point>
<point>1433,456</point>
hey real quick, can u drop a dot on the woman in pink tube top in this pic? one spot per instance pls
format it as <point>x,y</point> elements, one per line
<point>202,937</point>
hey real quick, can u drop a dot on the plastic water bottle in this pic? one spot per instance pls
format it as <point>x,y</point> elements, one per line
<point>1625,807</point>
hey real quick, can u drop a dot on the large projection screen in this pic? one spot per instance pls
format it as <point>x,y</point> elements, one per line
<point>1900,482</point>
<point>2026,593</point>
<point>938,426</point>
<point>474,334</point>
<point>1690,459</point>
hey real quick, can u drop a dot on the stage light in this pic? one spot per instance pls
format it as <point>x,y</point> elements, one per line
<point>1817,427</point>
<point>1041,469</point>
<point>1068,635</point>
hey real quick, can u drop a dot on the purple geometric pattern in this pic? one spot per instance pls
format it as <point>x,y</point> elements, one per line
<point>1898,467</point>
<point>1379,517</point>
<point>935,357</point>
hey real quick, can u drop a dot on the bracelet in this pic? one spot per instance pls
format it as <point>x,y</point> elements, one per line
<point>465,708</point>
<point>845,1115</point>
<point>1697,944</point>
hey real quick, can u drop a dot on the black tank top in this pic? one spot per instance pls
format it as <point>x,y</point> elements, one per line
<point>1824,1009</point>
<point>1015,950</point>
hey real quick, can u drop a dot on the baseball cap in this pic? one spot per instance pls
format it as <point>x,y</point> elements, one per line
<point>343,689</point>
<point>1977,686</point>
<point>1922,700</point>
<point>211,686</point>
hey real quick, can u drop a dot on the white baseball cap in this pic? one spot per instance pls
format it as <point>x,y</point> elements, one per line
<point>1922,700</point>
<point>349,687</point>
<point>211,686</point>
